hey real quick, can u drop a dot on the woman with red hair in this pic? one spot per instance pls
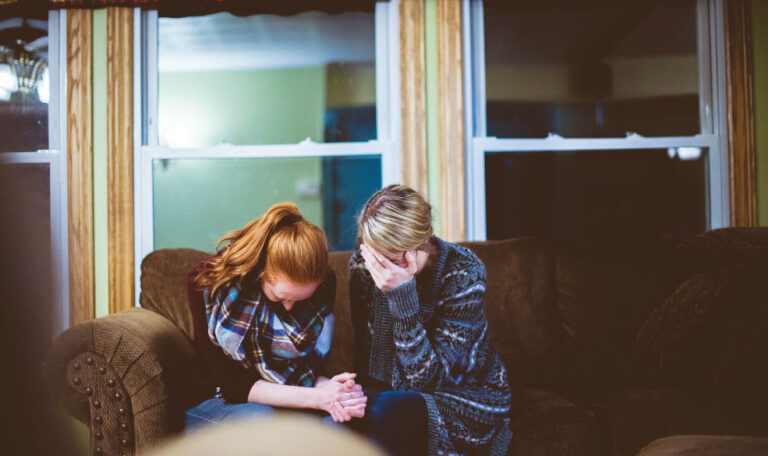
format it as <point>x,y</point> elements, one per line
<point>262,310</point>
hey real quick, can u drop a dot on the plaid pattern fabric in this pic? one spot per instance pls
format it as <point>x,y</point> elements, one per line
<point>284,347</point>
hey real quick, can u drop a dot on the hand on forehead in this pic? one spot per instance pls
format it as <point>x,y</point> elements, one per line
<point>370,253</point>
<point>384,272</point>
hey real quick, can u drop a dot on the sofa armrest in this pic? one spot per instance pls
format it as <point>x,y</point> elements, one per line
<point>124,376</point>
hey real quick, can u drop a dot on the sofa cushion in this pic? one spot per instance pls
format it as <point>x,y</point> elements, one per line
<point>710,333</point>
<point>164,285</point>
<point>726,246</point>
<point>604,296</point>
<point>710,445</point>
<point>544,423</point>
<point>524,322</point>
<point>632,417</point>
<point>341,358</point>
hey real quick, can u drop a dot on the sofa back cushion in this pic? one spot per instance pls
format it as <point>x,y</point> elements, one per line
<point>524,321</point>
<point>725,247</point>
<point>341,358</point>
<point>164,284</point>
<point>711,333</point>
<point>603,296</point>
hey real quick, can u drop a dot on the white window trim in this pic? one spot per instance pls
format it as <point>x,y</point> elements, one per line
<point>711,60</point>
<point>146,148</point>
<point>55,158</point>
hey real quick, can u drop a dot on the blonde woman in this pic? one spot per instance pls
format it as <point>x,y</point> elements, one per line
<point>434,383</point>
<point>262,310</point>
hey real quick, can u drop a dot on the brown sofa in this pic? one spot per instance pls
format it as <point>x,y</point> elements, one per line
<point>606,351</point>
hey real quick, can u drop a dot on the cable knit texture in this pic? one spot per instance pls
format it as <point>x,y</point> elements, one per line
<point>430,335</point>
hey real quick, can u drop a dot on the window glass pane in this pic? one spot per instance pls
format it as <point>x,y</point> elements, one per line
<point>598,197</point>
<point>26,245</point>
<point>225,194</point>
<point>266,79</point>
<point>24,86</point>
<point>598,71</point>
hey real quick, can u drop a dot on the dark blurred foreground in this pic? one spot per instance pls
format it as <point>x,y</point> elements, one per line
<point>29,424</point>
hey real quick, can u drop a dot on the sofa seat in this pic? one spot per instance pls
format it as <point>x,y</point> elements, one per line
<point>629,418</point>
<point>710,445</point>
<point>545,423</point>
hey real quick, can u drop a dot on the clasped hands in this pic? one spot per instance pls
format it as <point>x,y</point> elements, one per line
<point>341,397</point>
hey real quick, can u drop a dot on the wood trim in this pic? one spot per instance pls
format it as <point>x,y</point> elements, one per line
<point>120,157</point>
<point>79,166</point>
<point>412,96</point>
<point>742,176</point>
<point>453,220</point>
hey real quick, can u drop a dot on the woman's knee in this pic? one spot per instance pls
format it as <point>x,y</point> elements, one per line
<point>248,409</point>
<point>215,411</point>
<point>397,408</point>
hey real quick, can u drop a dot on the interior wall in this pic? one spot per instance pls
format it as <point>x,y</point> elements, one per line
<point>270,106</point>
<point>632,77</point>
<point>350,85</point>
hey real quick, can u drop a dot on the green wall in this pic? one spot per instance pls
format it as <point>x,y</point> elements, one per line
<point>431,83</point>
<point>198,201</point>
<point>276,106</point>
<point>100,148</point>
<point>760,56</point>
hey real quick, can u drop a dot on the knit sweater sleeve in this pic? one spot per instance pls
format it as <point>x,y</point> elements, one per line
<point>437,355</point>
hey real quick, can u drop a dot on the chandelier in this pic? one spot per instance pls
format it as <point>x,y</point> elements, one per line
<point>24,49</point>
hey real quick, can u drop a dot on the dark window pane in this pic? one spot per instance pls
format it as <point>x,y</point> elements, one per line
<point>225,194</point>
<point>26,245</point>
<point>597,197</point>
<point>598,71</point>
<point>24,85</point>
<point>266,79</point>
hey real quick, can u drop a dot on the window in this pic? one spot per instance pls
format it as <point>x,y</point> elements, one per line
<point>595,123</point>
<point>240,113</point>
<point>33,166</point>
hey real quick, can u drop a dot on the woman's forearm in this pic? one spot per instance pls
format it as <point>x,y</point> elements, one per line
<point>276,395</point>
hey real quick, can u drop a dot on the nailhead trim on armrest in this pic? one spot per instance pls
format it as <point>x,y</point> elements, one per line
<point>111,424</point>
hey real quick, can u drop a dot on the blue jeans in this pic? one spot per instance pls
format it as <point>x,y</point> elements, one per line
<point>397,421</point>
<point>218,411</point>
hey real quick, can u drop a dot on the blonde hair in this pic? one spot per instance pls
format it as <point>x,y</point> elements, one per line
<point>279,243</point>
<point>395,219</point>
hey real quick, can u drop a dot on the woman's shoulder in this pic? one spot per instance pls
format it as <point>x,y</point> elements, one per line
<point>461,261</point>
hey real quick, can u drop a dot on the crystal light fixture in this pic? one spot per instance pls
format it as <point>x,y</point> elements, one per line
<point>24,48</point>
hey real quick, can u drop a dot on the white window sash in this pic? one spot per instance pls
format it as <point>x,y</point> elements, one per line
<point>712,119</point>
<point>55,158</point>
<point>57,181</point>
<point>146,149</point>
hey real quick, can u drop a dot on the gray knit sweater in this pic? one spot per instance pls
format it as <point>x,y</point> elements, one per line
<point>430,335</point>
